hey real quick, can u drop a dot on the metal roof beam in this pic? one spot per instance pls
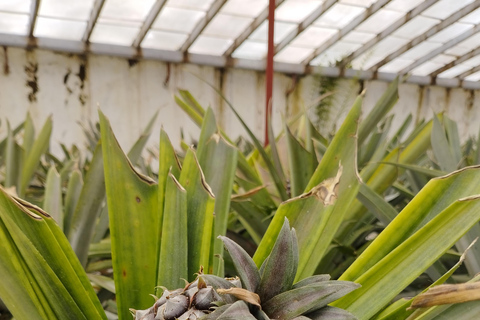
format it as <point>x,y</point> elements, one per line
<point>468,72</point>
<point>248,31</point>
<point>352,25</point>
<point>433,30</point>
<point>33,16</point>
<point>441,49</point>
<point>97,7</point>
<point>147,24</point>
<point>455,62</point>
<point>216,6</point>
<point>305,24</point>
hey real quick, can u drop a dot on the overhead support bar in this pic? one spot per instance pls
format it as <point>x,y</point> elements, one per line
<point>352,25</point>
<point>305,24</point>
<point>97,7</point>
<point>216,6</point>
<point>147,24</point>
<point>467,34</point>
<point>459,60</point>
<point>33,16</point>
<point>248,31</point>
<point>388,31</point>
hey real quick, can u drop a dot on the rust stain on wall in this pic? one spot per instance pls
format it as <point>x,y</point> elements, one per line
<point>82,76</point>
<point>31,70</point>
<point>6,66</point>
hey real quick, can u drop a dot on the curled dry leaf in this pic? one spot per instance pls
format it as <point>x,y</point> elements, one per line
<point>448,294</point>
<point>242,294</point>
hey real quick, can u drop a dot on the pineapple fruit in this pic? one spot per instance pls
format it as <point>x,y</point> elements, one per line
<point>268,293</point>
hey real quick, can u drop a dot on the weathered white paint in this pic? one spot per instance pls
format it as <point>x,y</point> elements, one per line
<point>130,93</point>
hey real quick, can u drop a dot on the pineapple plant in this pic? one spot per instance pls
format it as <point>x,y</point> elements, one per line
<point>265,293</point>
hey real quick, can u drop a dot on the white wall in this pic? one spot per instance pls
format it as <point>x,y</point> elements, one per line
<point>129,94</point>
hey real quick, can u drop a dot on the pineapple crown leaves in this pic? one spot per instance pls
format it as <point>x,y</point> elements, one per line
<point>279,297</point>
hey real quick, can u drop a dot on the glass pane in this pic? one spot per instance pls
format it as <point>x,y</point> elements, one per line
<point>335,53</point>
<point>226,26</point>
<point>338,16</point>
<point>455,71</point>
<point>295,10</point>
<point>426,68</point>
<point>403,5</point>
<point>450,32</point>
<point>126,9</point>
<point>420,50</point>
<point>191,4</point>
<point>119,35</point>
<point>473,62</point>
<point>14,23</point>
<point>291,54</point>
<point>444,8</point>
<point>473,77</point>
<point>251,50</point>
<point>248,8</point>
<point>363,3</point>
<point>379,21</point>
<point>473,17</point>
<point>164,40</point>
<point>20,6</point>
<point>59,29</point>
<point>313,37</point>
<point>175,19</point>
<point>396,65</point>
<point>457,51</point>
<point>415,27</point>
<point>359,37</point>
<point>73,9</point>
<point>378,52</point>
<point>281,31</point>
<point>209,45</point>
<point>443,58</point>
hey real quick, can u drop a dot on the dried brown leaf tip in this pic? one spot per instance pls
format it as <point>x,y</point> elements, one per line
<point>447,294</point>
<point>327,190</point>
<point>242,294</point>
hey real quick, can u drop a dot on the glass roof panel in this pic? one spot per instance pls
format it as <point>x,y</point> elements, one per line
<point>415,27</point>
<point>338,16</point>
<point>251,50</point>
<point>396,65</point>
<point>210,45</point>
<point>473,77</point>
<point>472,62</point>
<point>291,54</point>
<point>473,17</point>
<point>164,40</point>
<point>471,43</point>
<point>455,71</point>
<point>444,8</point>
<point>281,31</point>
<point>14,23</point>
<point>313,37</point>
<point>443,58</point>
<point>177,19</point>
<point>191,4</point>
<point>379,21</point>
<point>114,34</point>
<point>132,10</point>
<point>457,51</point>
<point>426,68</point>
<point>359,37</point>
<point>335,53</point>
<point>378,52</point>
<point>71,9</point>
<point>296,10</point>
<point>248,8</point>
<point>361,3</point>
<point>450,32</point>
<point>420,50</point>
<point>59,29</point>
<point>226,26</point>
<point>20,6</point>
<point>403,5</point>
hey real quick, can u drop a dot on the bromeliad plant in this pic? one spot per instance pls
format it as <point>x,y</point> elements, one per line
<point>268,293</point>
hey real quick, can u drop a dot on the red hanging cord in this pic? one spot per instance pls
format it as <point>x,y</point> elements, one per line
<point>269,71</point>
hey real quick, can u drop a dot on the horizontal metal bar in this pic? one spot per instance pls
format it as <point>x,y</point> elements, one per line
<point>430,32</point>
<point>81,48</point>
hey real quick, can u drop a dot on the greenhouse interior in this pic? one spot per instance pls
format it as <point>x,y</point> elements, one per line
<point>240,159</point>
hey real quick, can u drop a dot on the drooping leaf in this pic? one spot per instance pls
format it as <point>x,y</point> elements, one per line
<point>52,202</point>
